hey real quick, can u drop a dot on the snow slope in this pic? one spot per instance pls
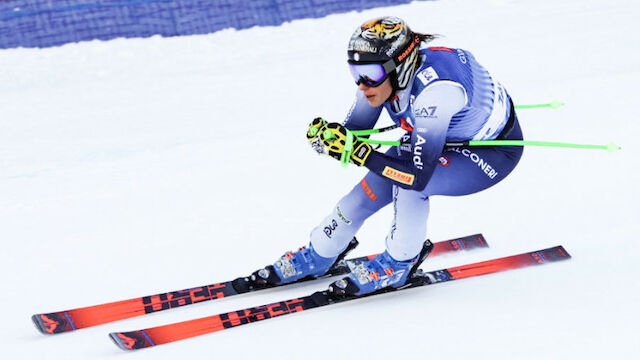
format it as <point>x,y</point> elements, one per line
<point>138,166</point>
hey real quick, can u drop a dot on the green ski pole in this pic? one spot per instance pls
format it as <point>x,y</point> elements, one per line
<point>553,105</point>
<point>610,147</point>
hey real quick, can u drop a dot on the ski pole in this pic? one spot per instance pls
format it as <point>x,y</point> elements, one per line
<point>374,131</point>
<point>610,147</point>
<point>554,104</point>
<point>348,148</point>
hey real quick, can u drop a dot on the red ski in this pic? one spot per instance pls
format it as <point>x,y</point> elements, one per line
<point>69,320</point>
<point>173,332</point>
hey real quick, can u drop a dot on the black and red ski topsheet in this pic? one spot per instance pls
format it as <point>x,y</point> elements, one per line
<point>173,332</point>
<point>70,320</point>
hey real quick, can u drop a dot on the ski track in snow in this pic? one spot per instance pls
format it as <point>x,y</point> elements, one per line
<point>138,166</point>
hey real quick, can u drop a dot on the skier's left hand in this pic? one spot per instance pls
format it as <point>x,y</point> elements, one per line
<point>312,134</point>
<point>334,138</point>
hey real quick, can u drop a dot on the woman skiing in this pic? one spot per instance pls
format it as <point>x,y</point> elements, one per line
<point>437,95</point>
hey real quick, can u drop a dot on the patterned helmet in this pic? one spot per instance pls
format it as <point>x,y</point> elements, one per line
<point>383,39</point>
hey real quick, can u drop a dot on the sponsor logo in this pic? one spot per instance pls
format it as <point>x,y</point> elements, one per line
<point>127,341</point>
<point>417,151</point>
<point>362,46</point>
<point>341,216</point>
<point>462,57</point>
<point>406,53</point>
<point>398,175</point>
<point>258,313</point>
<point>482,164</point>
<point>367,190</point>
<point>328,230</point>
<point>50,325</point>
<point>426,112</point>
<point>444,161</point>
<point>175,299</point>
<point>427,75</point>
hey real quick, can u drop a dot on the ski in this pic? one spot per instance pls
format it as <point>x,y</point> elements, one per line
<point>70,320</point>
<point>178,331</point>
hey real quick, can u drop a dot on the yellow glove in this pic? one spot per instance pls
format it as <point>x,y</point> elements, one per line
<point>314,127</point>
<point>312,134</point>
<point>334,138</point>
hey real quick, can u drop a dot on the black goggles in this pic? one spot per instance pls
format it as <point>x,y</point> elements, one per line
<point>371,74</point>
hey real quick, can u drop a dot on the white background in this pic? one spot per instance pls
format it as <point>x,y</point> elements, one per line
<point>139,166</point>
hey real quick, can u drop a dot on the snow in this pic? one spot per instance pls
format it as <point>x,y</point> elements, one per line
<point>137,166</point>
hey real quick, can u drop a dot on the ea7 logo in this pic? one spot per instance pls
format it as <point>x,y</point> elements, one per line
<point>429,111</point>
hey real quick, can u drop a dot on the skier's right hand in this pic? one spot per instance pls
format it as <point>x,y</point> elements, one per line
<point>334,139</point>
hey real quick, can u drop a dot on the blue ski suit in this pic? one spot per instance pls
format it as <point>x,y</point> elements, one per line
<point>451,98</point>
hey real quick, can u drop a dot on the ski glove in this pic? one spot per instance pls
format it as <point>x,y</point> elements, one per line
<point>312,134</point>
<point>334,138</point>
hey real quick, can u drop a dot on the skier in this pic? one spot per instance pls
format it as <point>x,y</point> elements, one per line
<point>436,94</point>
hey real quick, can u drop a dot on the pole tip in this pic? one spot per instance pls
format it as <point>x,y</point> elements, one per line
<point>612,147</point>
<point>555,104</point>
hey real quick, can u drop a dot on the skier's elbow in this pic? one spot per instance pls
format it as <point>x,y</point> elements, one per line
<point>420,184</point>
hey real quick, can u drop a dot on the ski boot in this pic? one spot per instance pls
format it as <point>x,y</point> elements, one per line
<point>379,273</point>
<point>300,265</point>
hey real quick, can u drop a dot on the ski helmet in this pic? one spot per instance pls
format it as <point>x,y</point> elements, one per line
<point>387,41</point>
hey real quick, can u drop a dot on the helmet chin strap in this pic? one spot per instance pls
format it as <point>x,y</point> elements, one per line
<point>393,94</point>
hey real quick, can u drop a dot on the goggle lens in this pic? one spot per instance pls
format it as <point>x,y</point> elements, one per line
<point>371,75</point>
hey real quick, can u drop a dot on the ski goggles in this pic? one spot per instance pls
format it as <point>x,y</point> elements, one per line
<point>371,74</point>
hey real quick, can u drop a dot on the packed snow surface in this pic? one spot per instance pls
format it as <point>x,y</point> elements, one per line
<point>137,166</point>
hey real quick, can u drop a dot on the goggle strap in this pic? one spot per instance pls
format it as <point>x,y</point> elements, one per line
<point>389,66</point>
